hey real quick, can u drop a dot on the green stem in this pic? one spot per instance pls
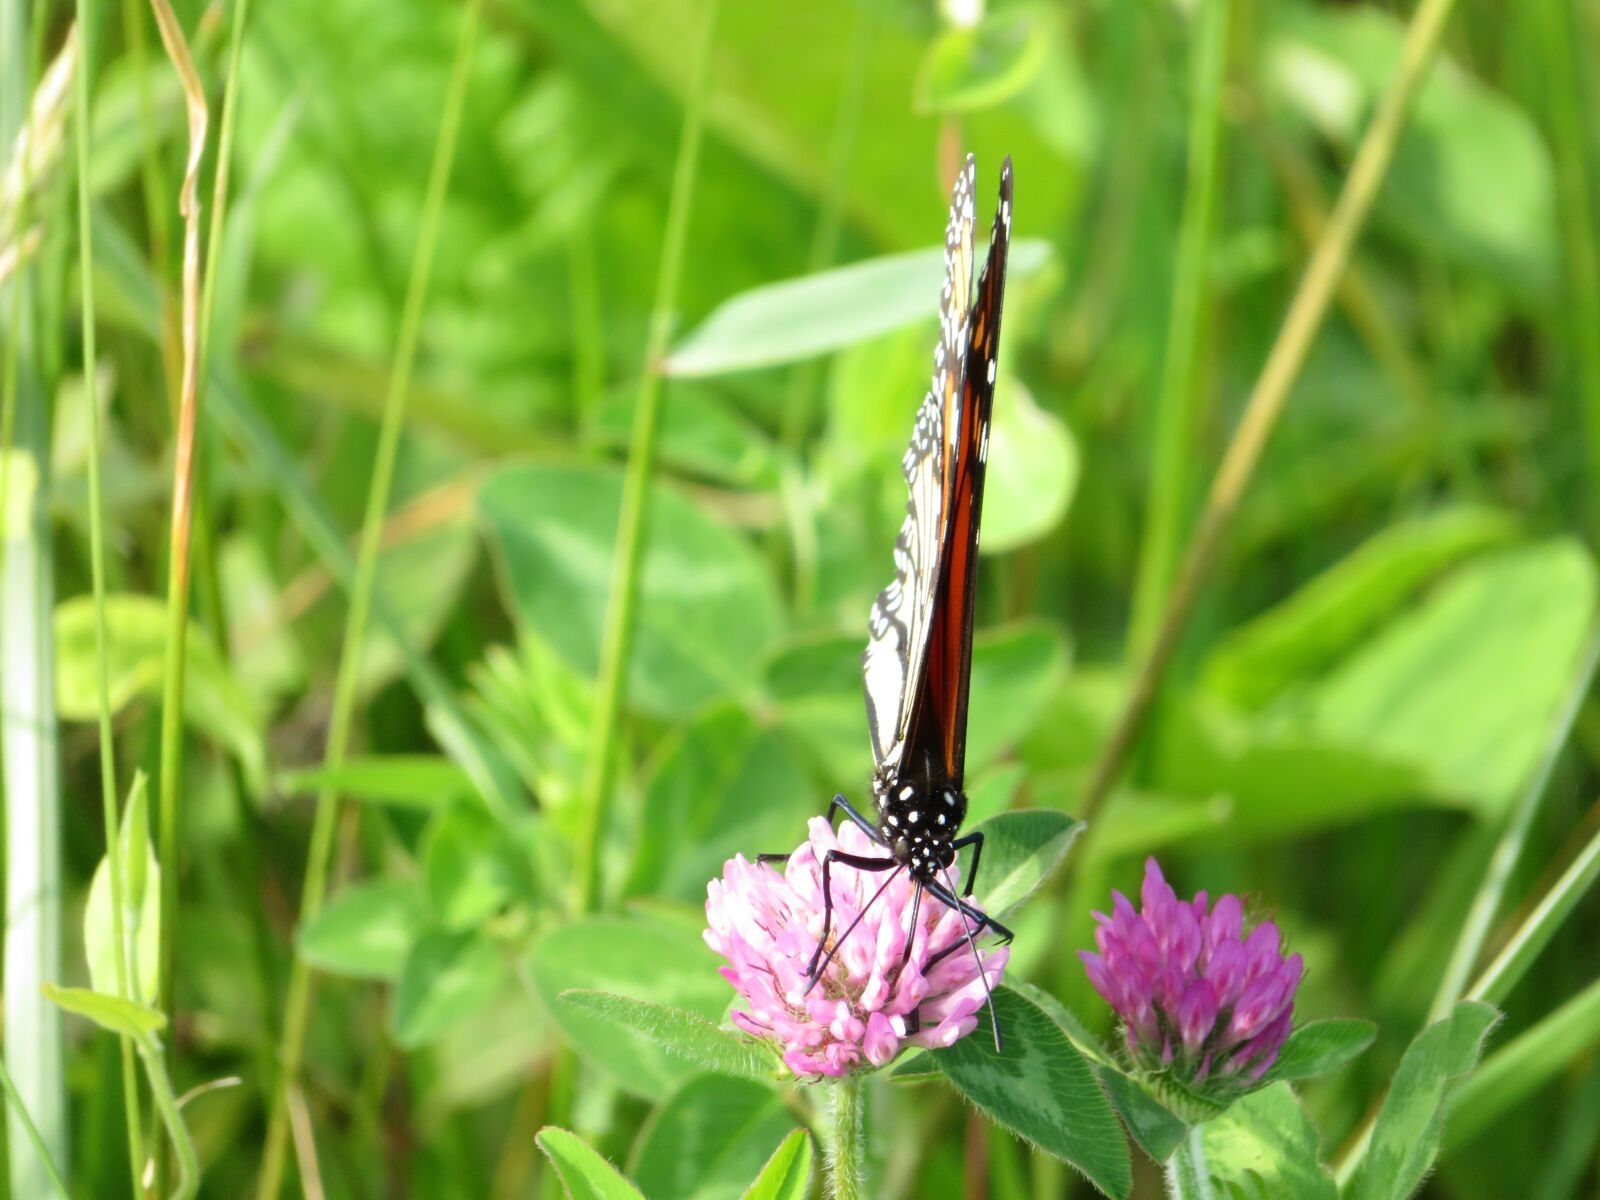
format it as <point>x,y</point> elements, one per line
<point>1560,43</point>
<point>155,1070</point>
<point>1188,1177</point>
<point>1486,903</point>
<point>1277,379</point>
<point>1180,402</point>
<point>97,573</point>
<point>1535,932</point>
<point>595,794</point>
<point>20,1111</point>
<point>319,856</point>
<point>846,1146</point>
<point>32,1042</point>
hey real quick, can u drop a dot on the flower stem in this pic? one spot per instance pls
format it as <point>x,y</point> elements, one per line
<point>846,1145</point>
<point>155,1069</point>
<point>1188,1177</point>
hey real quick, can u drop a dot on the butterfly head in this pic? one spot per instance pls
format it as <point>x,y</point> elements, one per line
<point>920,824</point>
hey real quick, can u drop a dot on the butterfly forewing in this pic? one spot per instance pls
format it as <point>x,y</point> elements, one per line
<point>940,715</point>
<point>903,614</point>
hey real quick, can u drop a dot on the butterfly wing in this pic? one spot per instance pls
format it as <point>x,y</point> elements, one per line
<point>939,722</point>
<point>903,614</point>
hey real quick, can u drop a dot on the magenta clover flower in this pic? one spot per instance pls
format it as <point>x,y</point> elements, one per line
<point>1201,1003</point>
<point>766,924</point>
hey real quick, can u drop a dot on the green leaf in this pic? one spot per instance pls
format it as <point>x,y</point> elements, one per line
<point>1405,1137</point>
<point>447,978</point>
<point>1041,1089</point>
<point>111,1013</point>
<point>1319,1047</point>
<point>1156,1129</point>
<point>1523,1065</point>
<point>1295,641</point>
<point>667,963</point>
<point>983,65</point>
<point>136,637</point>
<point>709,1139</point>
<point>721,786</point>
<point>1264,1145</point>
<point>470,868</point>
<point>1035,470</point>
<point>801,318</point>
<point>1467,684</point>
<point>1020,850</point>
<point>685,1034</point>
<point>366,931</point>
<point>707,603</point>
<point>787,1175</point>
<point>583,1173</point>
<point>141,907</point>
<point>420,781</point>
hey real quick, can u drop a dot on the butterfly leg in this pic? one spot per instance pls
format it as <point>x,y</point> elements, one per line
<point>975,840</point>
<point>839,803</point>
<point>983,919</point>
<point>914,1017</point>
<point>861,862</point>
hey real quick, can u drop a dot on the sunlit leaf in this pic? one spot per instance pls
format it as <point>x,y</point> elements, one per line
<point>111,1013</point>
<point>787,1175</point>
<point>686,1035</point>
<point>710,1139</point>
<point>1033,470</point>
<point>1265,1145</point>
<point>584,1174</point>
<point>447,978</point>
<point>801,318</point>
<point>366,930</point>
<point>141,907</point>
<point>1322,1046</point>
<point>1020,850</point>
<point>981,66</point>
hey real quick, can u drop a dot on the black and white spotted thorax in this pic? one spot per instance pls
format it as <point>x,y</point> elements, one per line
<point>919,824</point>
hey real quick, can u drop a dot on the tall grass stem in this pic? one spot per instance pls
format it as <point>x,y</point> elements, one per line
<point>623,601</point>
<point>319,855</point>
<point>1278,375</point>
<point>1491,891</point>
<point>97,574</point>
<point>20,1112</point>
<point>1180,404</point>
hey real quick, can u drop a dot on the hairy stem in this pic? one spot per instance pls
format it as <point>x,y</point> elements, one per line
<point>846,1145</point>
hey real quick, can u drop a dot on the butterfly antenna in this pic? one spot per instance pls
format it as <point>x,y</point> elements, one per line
<point>988,996</point>
<point>822,968</point>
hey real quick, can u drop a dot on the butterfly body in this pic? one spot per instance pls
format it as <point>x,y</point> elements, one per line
<point>919,818</point>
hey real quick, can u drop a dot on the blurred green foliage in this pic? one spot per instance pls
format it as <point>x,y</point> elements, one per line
<point>1368,685</point>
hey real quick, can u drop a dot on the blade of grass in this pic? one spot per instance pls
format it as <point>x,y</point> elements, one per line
<point>1278,375</point>
<point>32,1042</point>
<point>1491,892</point>
<point>19,1111</point>
<point>1535,932</point>
<point>319,855</point>
<point>594,792</point>
<point>170,774</point>
<point>97,575</point>
<point>1180,403</point>
<point>1560,42</point>
<point>1526,1063</point>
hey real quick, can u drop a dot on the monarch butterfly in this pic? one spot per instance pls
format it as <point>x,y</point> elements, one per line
<point>918,658</point>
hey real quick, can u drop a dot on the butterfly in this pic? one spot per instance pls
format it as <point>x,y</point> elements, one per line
<point>918,660</point>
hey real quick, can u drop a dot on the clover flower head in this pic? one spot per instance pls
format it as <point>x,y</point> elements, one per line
<point>1202,1003</point>
<point>766,924</point>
